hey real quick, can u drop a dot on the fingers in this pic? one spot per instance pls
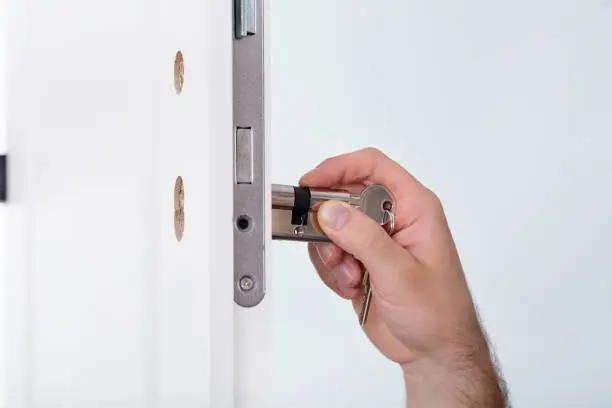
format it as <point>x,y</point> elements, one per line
<point>337,269</point>
<point>367,166</point>
<point>357,234</point>
<point>417,209</point>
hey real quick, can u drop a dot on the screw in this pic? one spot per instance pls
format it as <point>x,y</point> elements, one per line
<point>246,283</point>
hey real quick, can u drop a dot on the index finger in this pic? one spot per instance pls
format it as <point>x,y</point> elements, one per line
<point>366,166</point>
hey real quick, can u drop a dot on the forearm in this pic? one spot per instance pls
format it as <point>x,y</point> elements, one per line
<point>468,379</point>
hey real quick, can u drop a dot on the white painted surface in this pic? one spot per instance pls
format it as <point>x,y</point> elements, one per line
<point>505,110</point>
<point>104,307</point>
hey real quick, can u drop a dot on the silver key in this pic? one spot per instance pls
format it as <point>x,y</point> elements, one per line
<point>366,300</point>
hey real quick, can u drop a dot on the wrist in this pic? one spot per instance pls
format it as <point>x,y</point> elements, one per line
<point>461,377</point>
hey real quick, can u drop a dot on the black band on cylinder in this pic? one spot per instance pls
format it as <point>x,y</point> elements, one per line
<point>301,206</point>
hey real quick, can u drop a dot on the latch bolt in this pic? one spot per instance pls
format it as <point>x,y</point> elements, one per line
<point>246,18</point>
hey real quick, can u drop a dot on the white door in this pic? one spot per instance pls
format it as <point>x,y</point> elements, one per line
<point>108,300</point>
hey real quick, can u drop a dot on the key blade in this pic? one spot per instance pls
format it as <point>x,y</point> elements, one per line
<point>365,299</point>
<point>365,308</point>
<point>363,316</point>
<point>389,225</point>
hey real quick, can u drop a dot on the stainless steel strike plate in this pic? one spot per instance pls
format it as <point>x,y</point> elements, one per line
<point>249,153</point>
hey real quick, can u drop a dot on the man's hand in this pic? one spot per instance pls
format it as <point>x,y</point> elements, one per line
<point>422,315</point>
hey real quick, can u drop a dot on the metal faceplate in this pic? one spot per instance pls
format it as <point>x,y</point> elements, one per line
<point>249,153</point>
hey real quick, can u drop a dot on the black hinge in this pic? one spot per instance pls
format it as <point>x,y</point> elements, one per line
<point>3,178</point>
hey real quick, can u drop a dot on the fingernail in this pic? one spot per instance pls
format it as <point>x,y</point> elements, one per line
<point>334,215</point>
<point>346,292</point>
<point>342,292</point>
<point>325,251</point>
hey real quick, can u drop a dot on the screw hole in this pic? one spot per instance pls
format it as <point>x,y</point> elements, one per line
<point>179,72</point>
<point>298,231</point>
<point>243,223</point>
<point>387,205</point>
<point>179,208</point>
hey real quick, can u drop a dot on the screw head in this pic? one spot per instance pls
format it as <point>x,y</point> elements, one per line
<point>298,231</point>
<point>246,283</point>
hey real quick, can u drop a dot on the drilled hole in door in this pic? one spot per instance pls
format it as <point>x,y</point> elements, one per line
<point>179,208</point>
<point>179,72</point>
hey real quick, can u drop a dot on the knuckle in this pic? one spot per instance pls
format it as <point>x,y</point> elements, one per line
<point>433,202</point>
<point>374,153</point>
<point>331,255</point>
<point>325,162</point>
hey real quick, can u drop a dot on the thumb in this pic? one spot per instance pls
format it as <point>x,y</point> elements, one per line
<point>356,233</point>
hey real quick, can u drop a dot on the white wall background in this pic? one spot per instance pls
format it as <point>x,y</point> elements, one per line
<point>505,110</point>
